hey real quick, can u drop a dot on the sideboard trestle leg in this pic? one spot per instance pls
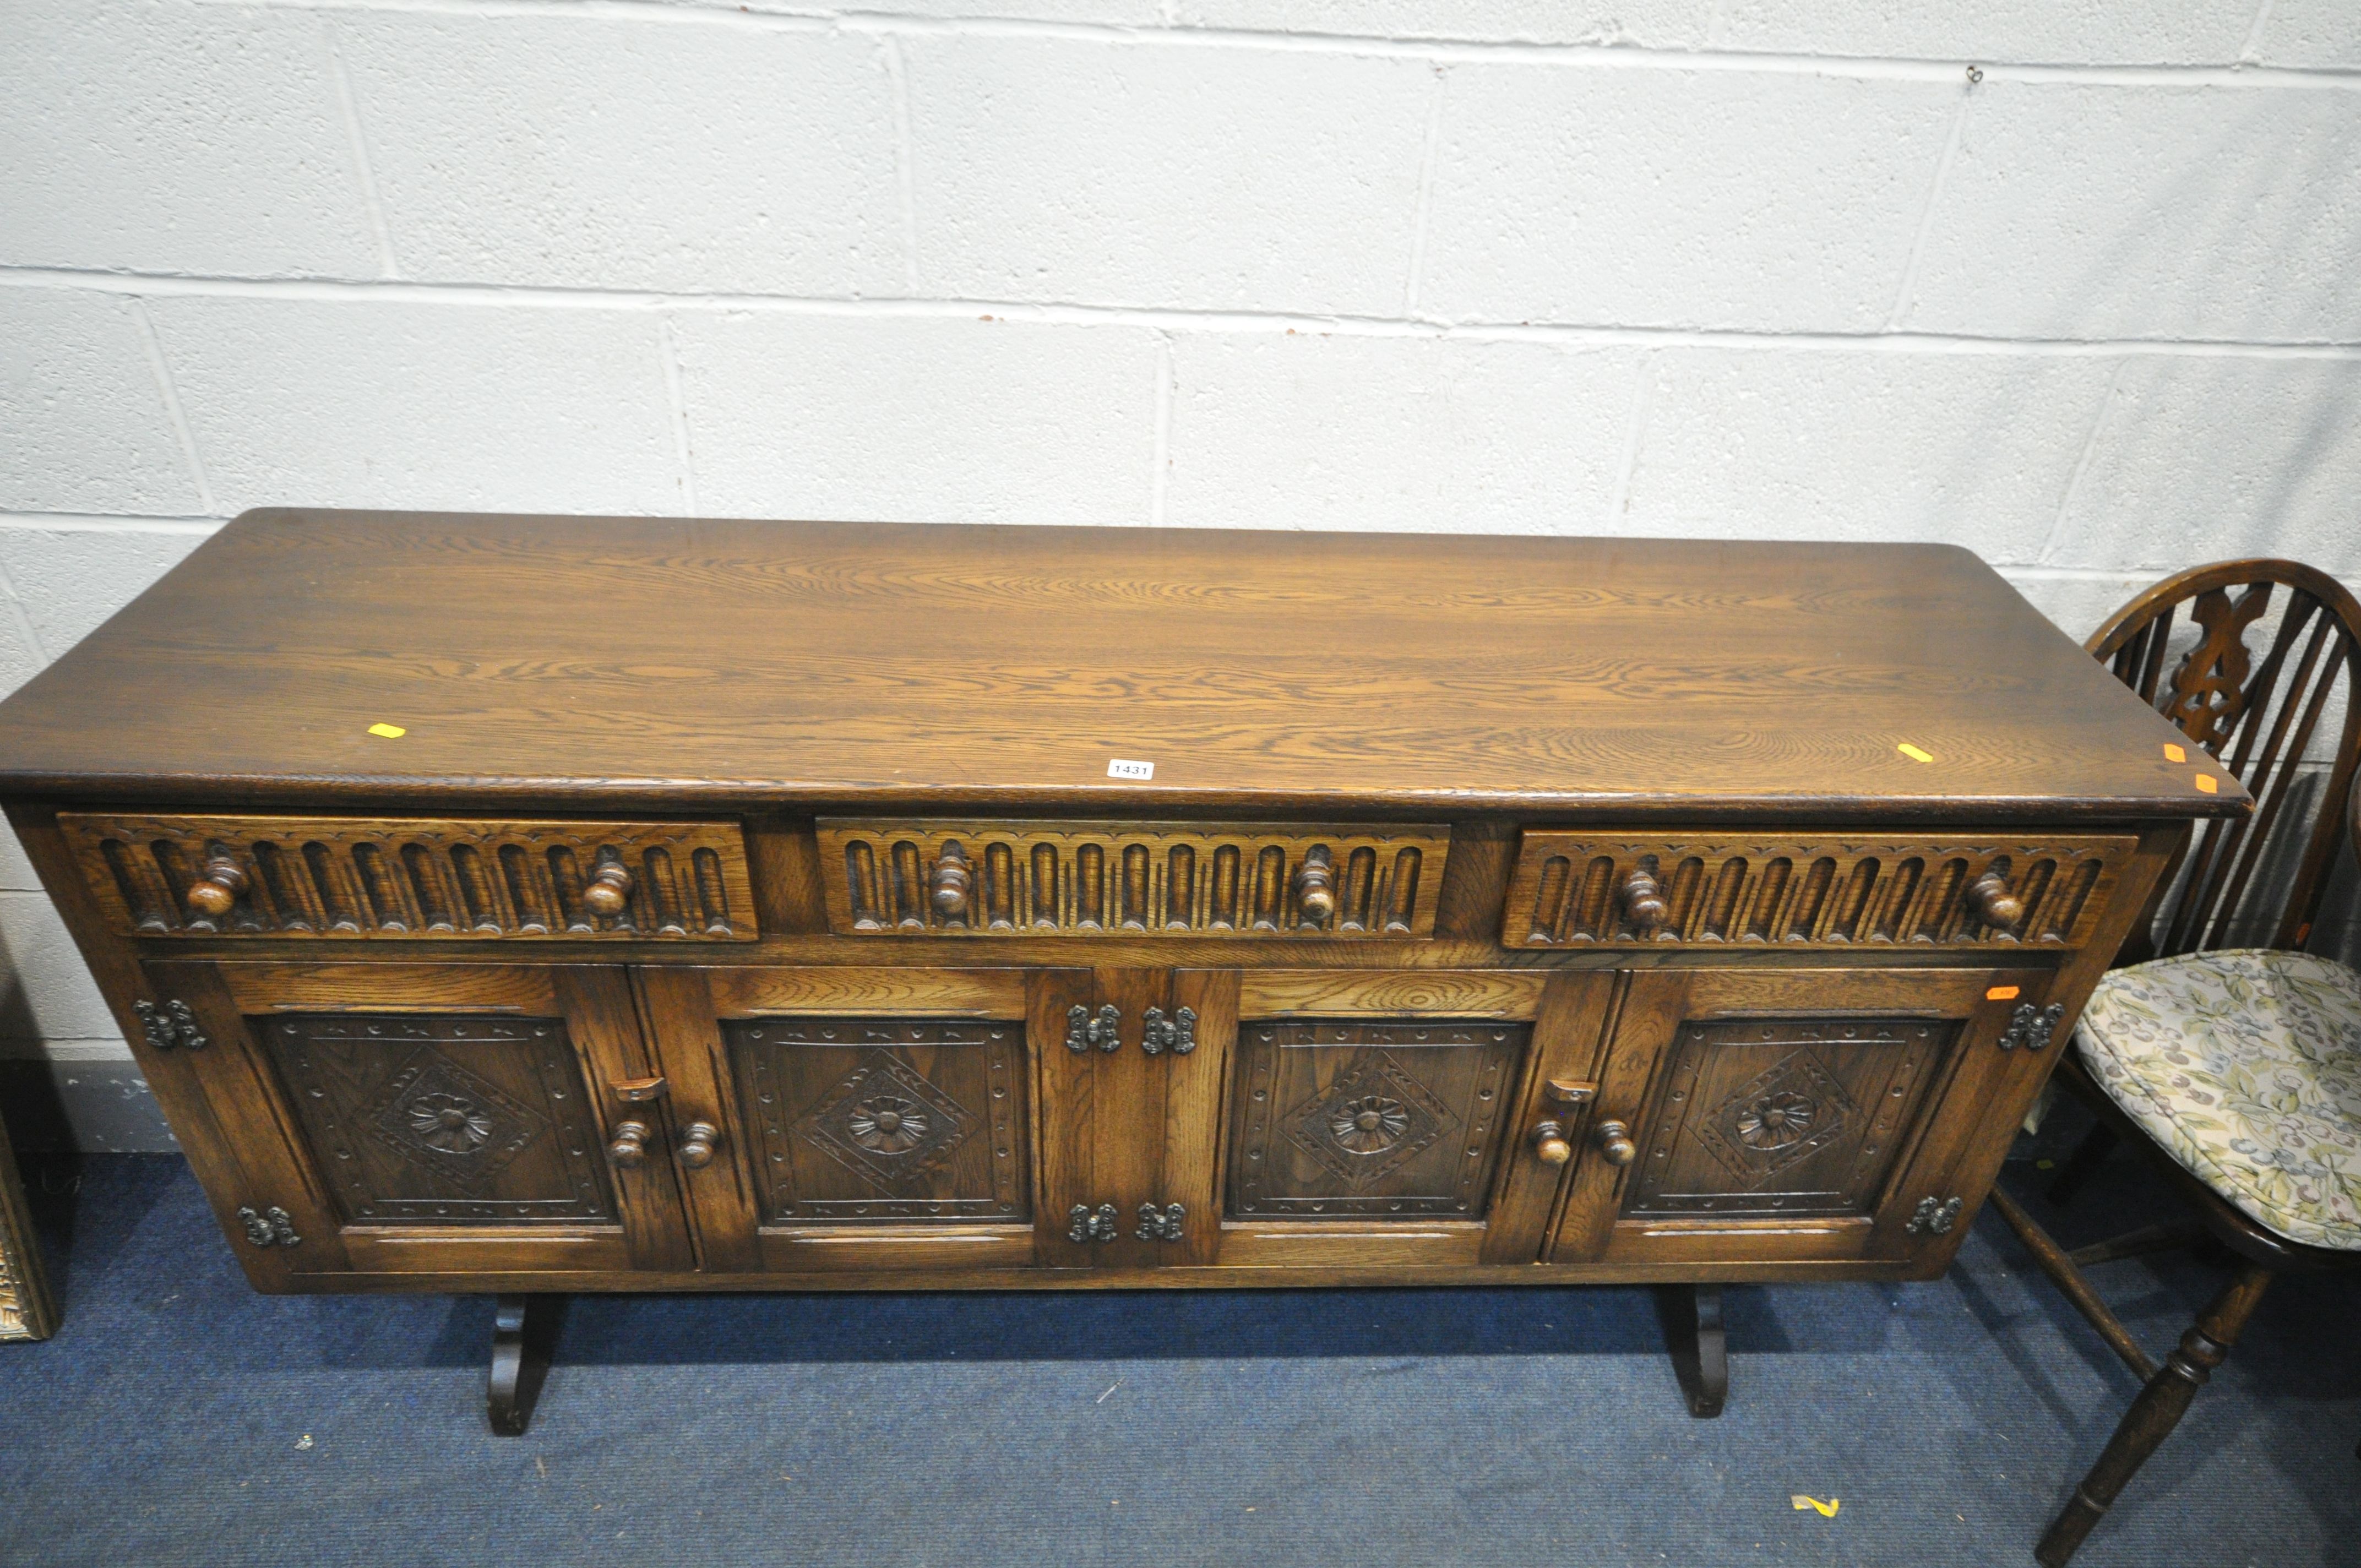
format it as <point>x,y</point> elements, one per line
<point>524,1332</point>
<point>1700,1351</point>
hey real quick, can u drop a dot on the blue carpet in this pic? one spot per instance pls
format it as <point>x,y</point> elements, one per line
<point>179,1419</point>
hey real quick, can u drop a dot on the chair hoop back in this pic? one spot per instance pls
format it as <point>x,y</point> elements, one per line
<point>2258,717</point>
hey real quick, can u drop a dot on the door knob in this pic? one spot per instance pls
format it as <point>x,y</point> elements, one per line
<point>1550,1144</point>
<point>630,1149</point>
<point>1994,904</point>
<point>948,888</point>
<point>217,888</point>
<point>609,891</point>
<point>696,1145</point>
<point>1615,1145</point>
<point>1315,886</point>
<point>1643,900</point>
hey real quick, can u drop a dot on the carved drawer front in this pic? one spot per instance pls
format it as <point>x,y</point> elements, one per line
<point>1831,890</point>
<point>1097,879</point>
<point>1785,1116</point>
<point>860,1121</point>
<point>352,877</point>
<point>1370,1120</point>
<point>444,1120</point>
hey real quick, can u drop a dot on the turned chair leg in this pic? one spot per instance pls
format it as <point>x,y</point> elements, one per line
<point>2156,1413</point>
<point>2083,1163</point>
<point>1693,1333</point>
<point>524,1332</point>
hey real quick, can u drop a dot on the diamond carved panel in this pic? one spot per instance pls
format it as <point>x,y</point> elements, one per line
<point>1370,1118</point>
<point>1787,1111</point>
<point>447,1121</point>
<point>1784,1115</point>
<point>1370,1122</point>
<point>867,1121</point>
<point>439,1119</point>
<point>887,1124</point>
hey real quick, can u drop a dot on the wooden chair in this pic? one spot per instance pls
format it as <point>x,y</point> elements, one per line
<point>2214,1058</point>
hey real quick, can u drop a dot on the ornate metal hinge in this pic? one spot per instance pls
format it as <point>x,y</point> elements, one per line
<point>1935,1217</point>
<point>1177,1034</point>
<point>1090,1225</point>
<point>2031,1026</point>
<point>174,1023</point>
<point>1083,1031</point>
<point>1161,1224</point>
<point>271,1228</point>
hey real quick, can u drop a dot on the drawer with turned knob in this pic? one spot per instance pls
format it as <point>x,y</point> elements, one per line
<point>159,874</point>
<point>982,877</point>
<point>1827,890</point>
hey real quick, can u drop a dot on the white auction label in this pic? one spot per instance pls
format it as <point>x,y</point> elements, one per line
<point>1121,769</point>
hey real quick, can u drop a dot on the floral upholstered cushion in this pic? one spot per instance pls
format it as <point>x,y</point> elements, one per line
<point>2246,1064</point>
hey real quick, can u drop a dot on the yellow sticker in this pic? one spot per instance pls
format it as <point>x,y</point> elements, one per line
<point>2173,753</point>
<point>2001,993</point>
<point>388,731</point>
<point>1827,1510</point>
<point>1913,753</point>
<point>2206,784</point>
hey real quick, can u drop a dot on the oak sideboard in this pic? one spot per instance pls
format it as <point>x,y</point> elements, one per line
<point>533,905</point>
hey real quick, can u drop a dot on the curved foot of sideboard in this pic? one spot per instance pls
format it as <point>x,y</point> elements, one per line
<point>524,1331</point>
<point>1693,1333</point>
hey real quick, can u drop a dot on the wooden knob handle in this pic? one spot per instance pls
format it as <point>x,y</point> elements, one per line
<point>1315,886</point>
<point>1643,900</point>
<point>1615,1143</point>
<point>608,893</point>
<point>218,887</point>
<point>696,1145</point>
<point>1550,1144</point>
<point>630,1149</point>
<point>1994,904</point>
<point>949,886</point>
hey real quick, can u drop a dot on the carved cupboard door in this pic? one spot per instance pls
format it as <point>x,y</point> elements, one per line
<point>1774,1115</point>
<point>1134,1087</point>
<point>1393,1119</point>
<point>417,1119</point>
<point>862,1119</point>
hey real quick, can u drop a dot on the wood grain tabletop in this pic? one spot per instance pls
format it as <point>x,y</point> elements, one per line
<point>580,660</point>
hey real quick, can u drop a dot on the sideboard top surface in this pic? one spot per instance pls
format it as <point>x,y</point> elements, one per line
<point>591,659</point>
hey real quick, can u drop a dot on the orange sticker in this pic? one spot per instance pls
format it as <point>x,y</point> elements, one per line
<point>2205,783</point>
<point>2001,993</point>
<point>2173,753</point>
<point>1913,753</point>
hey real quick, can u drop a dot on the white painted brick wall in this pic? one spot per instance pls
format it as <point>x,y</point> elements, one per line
<point>1736,200</point>
<point>83,427</point>
<point>1499,437</point>
<point>1972,449</point>
<point>476,404</point>
<point>2080,211</point>
<point>574,162</point>
<point>1164,174</point>
<point>164,137</point>
<point>925,417</point>
<point>1717,268</point>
